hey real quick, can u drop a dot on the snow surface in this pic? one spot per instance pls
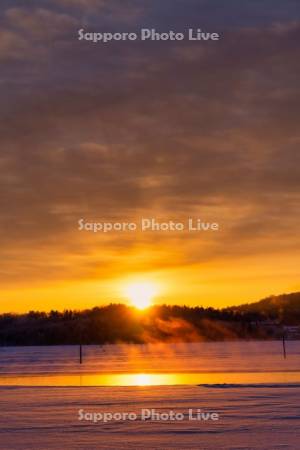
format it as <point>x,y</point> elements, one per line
<point>251,418</point>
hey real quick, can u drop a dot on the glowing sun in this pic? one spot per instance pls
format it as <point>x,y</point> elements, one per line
<point>141,294</point>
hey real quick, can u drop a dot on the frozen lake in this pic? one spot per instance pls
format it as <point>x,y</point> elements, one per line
<point>152,364</point>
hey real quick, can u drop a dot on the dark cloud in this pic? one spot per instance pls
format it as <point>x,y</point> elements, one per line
<point>119,130</point>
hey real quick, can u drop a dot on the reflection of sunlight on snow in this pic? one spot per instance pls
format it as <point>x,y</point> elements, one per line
<point>152,379</point>
<point>142,379</point>
<point>147,379</point>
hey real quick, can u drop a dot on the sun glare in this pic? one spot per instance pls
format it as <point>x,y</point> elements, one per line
<point>141,294</point>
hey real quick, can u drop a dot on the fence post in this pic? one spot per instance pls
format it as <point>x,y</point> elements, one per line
<point>80,353</point>
<point>283,345</point>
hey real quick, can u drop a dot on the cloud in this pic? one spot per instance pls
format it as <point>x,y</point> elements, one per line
<point>40,23</point>
<point>125,11</point>
<point>32,33</point>
<point>11,46</point>
<point>89,4</point>
<point>131,129</point>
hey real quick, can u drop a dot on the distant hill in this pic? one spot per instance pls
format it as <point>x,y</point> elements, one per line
<point>266,319</point>
<point>283,308</point>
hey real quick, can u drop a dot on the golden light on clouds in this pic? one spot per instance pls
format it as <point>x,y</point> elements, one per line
<point>101,142</point>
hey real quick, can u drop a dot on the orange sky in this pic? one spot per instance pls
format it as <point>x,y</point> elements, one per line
<point>132,130</point>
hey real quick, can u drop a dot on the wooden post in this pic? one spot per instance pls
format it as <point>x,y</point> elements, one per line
<point>80,354</point>
<point>80,344</point>
<point>283,345</point>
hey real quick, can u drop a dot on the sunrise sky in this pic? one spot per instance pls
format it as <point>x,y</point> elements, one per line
<point>171,130</point>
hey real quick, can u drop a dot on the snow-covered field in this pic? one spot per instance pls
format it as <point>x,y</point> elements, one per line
<point>251,416</point>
